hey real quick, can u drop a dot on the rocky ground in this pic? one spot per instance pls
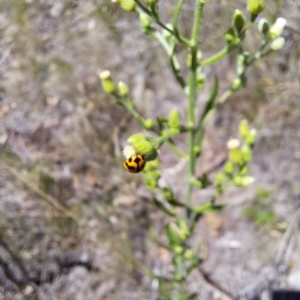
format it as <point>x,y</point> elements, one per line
<point>73,224</point>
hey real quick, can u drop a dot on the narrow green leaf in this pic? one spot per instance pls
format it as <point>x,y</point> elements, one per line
<point>176,203</point>
<point>173,234</point>
<point>208,207</point>
<point>194,263</point>
<point>211,99</point>
<point>176,14</point>
<point>162,208</point>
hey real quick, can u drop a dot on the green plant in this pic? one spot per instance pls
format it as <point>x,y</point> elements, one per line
<point>235,172</point>
<point>259,212</point>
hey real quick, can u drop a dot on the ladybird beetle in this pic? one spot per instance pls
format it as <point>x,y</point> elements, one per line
<point>135,163</point>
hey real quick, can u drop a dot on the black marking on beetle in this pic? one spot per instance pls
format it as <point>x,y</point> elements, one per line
<point>130,159</point>
<point>137,160</point>
<point>129,167</point>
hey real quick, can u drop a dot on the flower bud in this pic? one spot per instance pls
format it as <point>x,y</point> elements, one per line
<point>183,228</point>
<point>148,124</point>
<point>152,165</point>
<point>231,37</point>
<point>129,151</point>
<point>238,20</point>
<point>123,88</point>
<point>263,26</point>
<point>246,153</point>
<point>229,167</point>
<point>233,144</point>
<point>278,43</point>
<point>235,155</point>
<point>174,235</point>
<point>145,21</point>
<point>237,83</point>
<point>107,83</point>
<point>244,128</point>
<point>136,138</point>
<point>174,131</point>
<point>127,5</point>
<point>166,33</point>
<point>255,7</point>
<point>200,78</point>
<point>251,136</point>
<point>197,183</point>
<point>145,148</point>
<point>174,119</point>
<point>219,178</point>
<point>277,28</point>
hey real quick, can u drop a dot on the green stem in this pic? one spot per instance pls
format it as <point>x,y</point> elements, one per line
<point>155,18</point>
<point>176,150</point>
<point>192,97</point>
<point>213,59</point>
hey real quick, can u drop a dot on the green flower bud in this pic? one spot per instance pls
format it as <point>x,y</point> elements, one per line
<point>188,253</point>
<point>155,175</point>
<point>278,43</point>
<point>246,180</point>
<point>199,56</point>
<point>123,88</point>
<point>246,153</point>
<point>178,249</point>
<point>148,124</point>
<point>244,128</point>
<point>136,138</point>
<point>174,131</point>
<point>255,7</point>
<point>173,234</point>
<point>229,167</point>
<point>183,228</point>
<point>107,83</point>
<point>174,119</point>
<point>237,181</point>
<point>231,38</point>
<point>145,21</point>
<point>127,5</point>
<point>196,149</point>
<point>146,148</point>
<point>151,184</point>
<point>277,28</point>
<point>238,20</point>
<point>200,80</point>
<point>196,183</point>
<point>251,136</point>
<point>263,26</point>
<point>219,178</point>
<point>237,83</point>
<point>235,155</point>
<point>244,171</point>
<point>166,33</point>
<point>152,165</point>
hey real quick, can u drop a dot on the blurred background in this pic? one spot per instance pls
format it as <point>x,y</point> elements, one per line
<point>73,223</point>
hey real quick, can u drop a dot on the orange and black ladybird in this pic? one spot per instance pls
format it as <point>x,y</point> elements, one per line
<point>135,163</point>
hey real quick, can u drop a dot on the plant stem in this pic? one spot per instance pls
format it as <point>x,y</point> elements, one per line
<point>213,59</point>
<point>155,18</point>
<point>192,97</point>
